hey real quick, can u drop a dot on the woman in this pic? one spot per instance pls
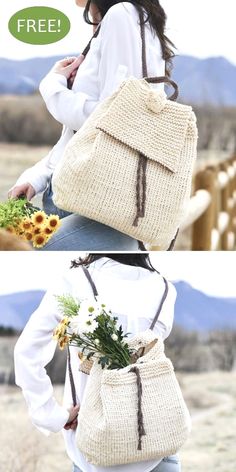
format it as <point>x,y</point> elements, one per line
<point>122,281</point>
<point>114,55</point>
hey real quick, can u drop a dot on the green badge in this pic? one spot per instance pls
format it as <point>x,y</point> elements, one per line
<point>39,25</point>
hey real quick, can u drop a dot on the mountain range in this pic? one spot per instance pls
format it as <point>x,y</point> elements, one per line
<point>16,308</point>
<point>201,81</point>
<point>194,310</point>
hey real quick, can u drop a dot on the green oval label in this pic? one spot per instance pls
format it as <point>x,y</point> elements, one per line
<point>39,25</point>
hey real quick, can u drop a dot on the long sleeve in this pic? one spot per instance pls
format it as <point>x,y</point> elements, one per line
<point>120,56</point>
<point>34,350</point>
<point>66,106</point>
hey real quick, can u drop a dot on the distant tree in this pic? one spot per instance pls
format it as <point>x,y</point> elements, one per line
<point>7,331</point>
<point>223,346</point>
<point>192,352</point>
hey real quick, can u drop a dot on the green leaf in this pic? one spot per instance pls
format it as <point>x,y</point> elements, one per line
<point>14,210</point>
<point>68,306</point>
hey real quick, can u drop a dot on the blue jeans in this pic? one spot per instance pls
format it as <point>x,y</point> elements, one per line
<point>168,464</point>
<point>78,233</point>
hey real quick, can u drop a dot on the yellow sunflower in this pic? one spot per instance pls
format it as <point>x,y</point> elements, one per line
<point>28,236</point>
<point>38,218</point>
<point>26,224</point>
<point>63,342</point>
<point>65,321</point>
<point>48,231</point>
<point>37,230</point>
<point>53,222</point>
<point>39,240</point>
<point>59,332</point>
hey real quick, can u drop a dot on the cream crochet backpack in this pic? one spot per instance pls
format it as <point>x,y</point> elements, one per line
<point>130,165</point>
<point>136,413</point>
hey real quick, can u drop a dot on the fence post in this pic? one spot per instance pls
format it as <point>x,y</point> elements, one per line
<point>232,163</point>
<point>202,228</point>
<point>234,199</point>
<point>225,195</point>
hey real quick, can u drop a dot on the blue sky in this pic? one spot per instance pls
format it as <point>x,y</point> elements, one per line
<point>212,272</point>
<point>198,27</point>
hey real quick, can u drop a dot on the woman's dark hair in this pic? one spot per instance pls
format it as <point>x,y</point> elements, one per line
<point>156,16</point>
<point>132,259</point>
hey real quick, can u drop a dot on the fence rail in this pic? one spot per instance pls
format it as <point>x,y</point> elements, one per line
<point>212,208</point>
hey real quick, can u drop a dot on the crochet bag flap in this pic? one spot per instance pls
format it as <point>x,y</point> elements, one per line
<point>142,118</point>
<point>133,414</point>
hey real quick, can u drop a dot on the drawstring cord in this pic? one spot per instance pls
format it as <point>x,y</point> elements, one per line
<point>141,186</point>
<point>141,430</point>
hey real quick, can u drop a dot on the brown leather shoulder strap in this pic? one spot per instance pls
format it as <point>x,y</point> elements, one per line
<point>86,49</point>
<point>93,286</point>
<point>95,293</point>
<point>161,304</point>
<point>72,383</point>
<point>167,81</point>
<point>154,80</point>
<point>143,38</point>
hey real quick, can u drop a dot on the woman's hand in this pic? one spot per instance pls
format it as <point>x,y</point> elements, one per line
<point>72,420</point>
<point>67,67</point>
<point>71,79</point>
<point>24,189</point>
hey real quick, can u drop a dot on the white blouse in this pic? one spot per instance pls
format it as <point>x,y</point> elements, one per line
<point>134,295</point>
<point>114,56</point>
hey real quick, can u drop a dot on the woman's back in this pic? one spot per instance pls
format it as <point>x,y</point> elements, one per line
<point>132,293</point>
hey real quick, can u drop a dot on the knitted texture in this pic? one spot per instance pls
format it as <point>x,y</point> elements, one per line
<point>86,366</point>
<point>97,175</point>
<point>107,423</point>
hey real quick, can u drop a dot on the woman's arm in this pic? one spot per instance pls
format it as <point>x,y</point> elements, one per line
<point>120,48</point>
<point>33,351</point>
<point>120,51</point>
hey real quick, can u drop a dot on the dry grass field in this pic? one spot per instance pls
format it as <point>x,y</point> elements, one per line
<point>14,159</point>
<point>23,448</point>
<point>210,448</point>
<point>212,400</point>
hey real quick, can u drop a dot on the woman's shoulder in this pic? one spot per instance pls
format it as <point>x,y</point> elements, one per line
<point>119,12</point>
<point>72,279</point>
<point>171,287</point>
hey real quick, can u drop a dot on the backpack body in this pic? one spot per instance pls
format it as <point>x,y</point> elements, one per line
<point>100,175</point>
<point>109,418</point>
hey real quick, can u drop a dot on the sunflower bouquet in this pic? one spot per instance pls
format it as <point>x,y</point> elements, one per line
<point>20,217</point>
<point>93,329</point>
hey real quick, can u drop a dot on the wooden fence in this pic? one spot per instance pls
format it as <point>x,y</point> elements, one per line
<point>212,209</point>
